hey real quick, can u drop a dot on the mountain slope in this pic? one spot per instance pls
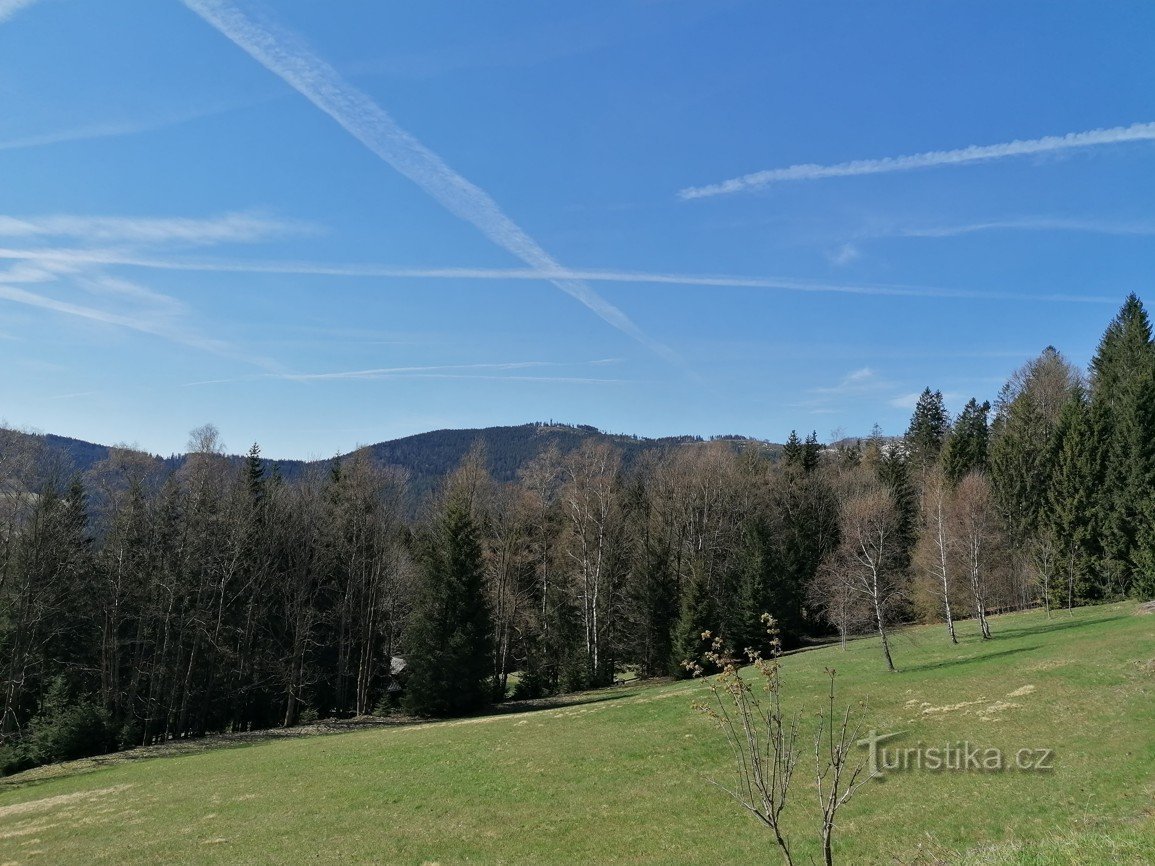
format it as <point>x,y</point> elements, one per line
<point>427,457</point>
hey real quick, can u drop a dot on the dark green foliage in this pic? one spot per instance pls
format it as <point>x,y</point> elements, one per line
<point>697,615</point>
<point>67,728</point>
<point>653,606</point>
<point>1072,515</point>
<point>811,452</point>
<point>1122,380</point>
<point>792,451</point>
<point>450,640</point>
<point>966,447</point>
<point>929,426</point>
<point>800,454</point>
<point>1020,466</point>
<point>894,470</point>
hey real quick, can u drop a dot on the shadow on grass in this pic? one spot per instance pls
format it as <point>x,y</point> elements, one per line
<point>213,742</point>
<point>1061,622</point>
<point>967,660</point>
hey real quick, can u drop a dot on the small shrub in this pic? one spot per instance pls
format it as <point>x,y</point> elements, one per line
<point>308,716</point>
<point>64,730</point>
<point>15,758</point>
<point>532,684</point>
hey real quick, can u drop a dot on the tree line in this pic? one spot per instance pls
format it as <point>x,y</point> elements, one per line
<point>138,605</point>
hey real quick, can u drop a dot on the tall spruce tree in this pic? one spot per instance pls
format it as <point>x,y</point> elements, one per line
<point>966,447</point>
<point>450,638</point>
<point>793,453</point>
<point>894,470</point>
<point>1122,379</point>
<point>929,426</point>
<point>1072,515</point>
<point>811,452</point>
<point>1022,442</point>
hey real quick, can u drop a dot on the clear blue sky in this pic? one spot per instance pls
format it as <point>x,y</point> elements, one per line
<point>321,224</point>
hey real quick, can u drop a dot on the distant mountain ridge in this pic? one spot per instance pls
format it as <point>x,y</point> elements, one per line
<point>427,457</point>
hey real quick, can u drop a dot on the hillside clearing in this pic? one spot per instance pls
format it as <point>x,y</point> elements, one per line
<point>624,775</point>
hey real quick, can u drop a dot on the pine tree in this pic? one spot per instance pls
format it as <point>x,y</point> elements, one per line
<point>1072,515</point>
<point>811,451</point>
<point>696,616</point>
<point>894,470</point>
<point>929,426</point>
<point>966,447</point>
<point>792,451</point>
<point>450,640</point>
<point>1123,375</point>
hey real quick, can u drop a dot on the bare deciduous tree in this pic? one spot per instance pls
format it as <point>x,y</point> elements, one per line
<point>763,740</point>
<point>934,552</point>
<point>866,561</point>
<point>978,539</point>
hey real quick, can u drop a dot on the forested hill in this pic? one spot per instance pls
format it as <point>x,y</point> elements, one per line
<point>430,456</point>
<point>427,457</point>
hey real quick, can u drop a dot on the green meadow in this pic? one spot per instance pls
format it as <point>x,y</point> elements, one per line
<point>624,775</point>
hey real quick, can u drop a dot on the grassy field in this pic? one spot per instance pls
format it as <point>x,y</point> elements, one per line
<point>623,775</point>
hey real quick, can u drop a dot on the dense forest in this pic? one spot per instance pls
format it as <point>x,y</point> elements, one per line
<point>142,601</point>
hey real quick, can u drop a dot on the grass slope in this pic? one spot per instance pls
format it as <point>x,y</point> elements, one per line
<point>624,775</point>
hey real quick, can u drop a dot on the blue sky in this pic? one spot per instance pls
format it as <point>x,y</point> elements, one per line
<point>318,224</point>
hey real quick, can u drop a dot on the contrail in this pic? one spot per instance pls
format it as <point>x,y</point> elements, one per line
<point>8,8</point>
<point>226,228</point>
<point>287,56</point>
<point>974,153</point>
<point>66,257</point>
<point>437,371</point>
<point>1057,224</point>
<point>116,129</point>
<point>158,328</point>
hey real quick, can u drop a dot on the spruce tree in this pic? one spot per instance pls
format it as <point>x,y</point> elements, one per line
<point>792,451</point>
<point>966,447</point>
<point>450,638</point>
<point>894,470</point>
<point>1072,515</point>
<point>811,451</point>
<point>929,426</point>
<point>1122,377</point>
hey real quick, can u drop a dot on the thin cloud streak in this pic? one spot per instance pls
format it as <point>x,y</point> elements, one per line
<point>111,257</point>
<point>288,57</point>
<point>449,371</point>
<point>118,128</point>
<point>226,228</point>
<point>1040,224</point>
<point>115,129</point>
<point>161,329</point>
<point>8,8</point>
<point>931,159</point>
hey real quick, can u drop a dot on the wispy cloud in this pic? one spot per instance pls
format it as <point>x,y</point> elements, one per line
<point>8,8</point>
<point>490,371</point>
<point>117,128</point>
<point>855,382</point>
<point>931,159</point>
<point>66,256</point>
<point>909,401</point>
<point>229,227</point>
<point>844,255</point>
<point>156,323</point>
<point>859,384</point>
<point>1033,224</point>
<point>288,57</point>
<point>77,285</point>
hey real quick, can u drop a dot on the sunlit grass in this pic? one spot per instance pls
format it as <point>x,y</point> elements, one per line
<point>624,776</point>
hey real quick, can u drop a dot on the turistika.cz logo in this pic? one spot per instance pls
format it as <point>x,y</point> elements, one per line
<point>961,756</point>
